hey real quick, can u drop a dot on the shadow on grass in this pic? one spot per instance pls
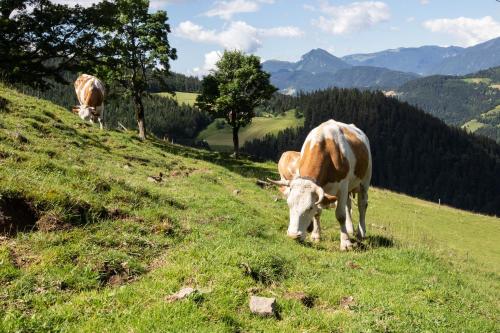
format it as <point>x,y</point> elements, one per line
<point>242,166</point>
<point>376,241</point>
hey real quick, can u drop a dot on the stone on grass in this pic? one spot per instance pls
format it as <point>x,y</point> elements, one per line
<point>263,306</point>
<point>236,192</point>
<point>181,294</point>
<point>347,302</point>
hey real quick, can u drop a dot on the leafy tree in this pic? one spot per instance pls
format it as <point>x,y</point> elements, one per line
<point>39,38</point>
<point>234,89</point>
<point>135,51</point>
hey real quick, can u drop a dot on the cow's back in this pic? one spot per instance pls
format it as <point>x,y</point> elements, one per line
<point>89,90</point>
<point>333,152</point>
<point>288,164</point>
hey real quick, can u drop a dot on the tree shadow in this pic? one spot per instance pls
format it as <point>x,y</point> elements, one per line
<point>243,166</point>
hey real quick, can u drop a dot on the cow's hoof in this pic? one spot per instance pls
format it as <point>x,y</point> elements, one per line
<point>360,237</point>
<point>315,238</point>
<point>346,246</point>
<point>296,236</point>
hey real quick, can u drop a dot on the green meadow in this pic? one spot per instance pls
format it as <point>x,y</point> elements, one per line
<point>101,246</point>
<point>221,137</point>
<point>182,97</point>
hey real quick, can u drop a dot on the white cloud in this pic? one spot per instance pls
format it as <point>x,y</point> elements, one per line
<point>309,8</point>
<point>226,9</point>
<point>468,31</point>
<point>287,31</point>
<point>211,59</point>
<point>154,4</point>
<point>424,2</point>
<point>237,36</point>
<point>410,19</point>
<point>354,17</point>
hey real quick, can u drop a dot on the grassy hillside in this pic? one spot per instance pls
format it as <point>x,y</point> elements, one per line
<point>222,138</point>
<point>100,247</point>
<point>182,97</point>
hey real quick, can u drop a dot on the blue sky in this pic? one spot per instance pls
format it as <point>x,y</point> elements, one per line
<point>286,29</point>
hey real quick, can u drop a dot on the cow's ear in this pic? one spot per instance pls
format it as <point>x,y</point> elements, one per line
<point>328,199</point>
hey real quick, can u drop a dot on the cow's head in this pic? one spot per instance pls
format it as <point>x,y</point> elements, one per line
<point>304,199</point>
<point>88,113</point>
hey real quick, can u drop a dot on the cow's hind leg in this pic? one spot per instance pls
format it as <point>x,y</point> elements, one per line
<point>362,206</point>
<point>316,232</point>
<point>348,214</point>
<point>340,213</point>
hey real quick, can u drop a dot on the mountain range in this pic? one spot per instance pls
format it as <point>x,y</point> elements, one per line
<point>387,69</point>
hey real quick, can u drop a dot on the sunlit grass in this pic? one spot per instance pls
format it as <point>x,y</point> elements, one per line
<point>120,243</point>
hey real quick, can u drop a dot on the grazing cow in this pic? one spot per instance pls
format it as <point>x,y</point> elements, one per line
<point>90,93</point>
<point>288,168</point>
<point>334,161</point>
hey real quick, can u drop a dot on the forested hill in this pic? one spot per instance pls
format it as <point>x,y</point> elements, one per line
<point>413,152</point>
<point>472,101</point>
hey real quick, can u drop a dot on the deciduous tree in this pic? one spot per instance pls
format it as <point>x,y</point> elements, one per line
<point>234,89</point>
<point>135,51</point>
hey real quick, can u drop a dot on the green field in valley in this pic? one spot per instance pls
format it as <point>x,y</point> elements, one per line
<point>103,245</point>
<point>222,138</point>
<point>182,97</point>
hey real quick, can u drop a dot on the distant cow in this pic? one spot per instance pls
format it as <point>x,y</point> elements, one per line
<point>90,93</point>
<point>334,161</point>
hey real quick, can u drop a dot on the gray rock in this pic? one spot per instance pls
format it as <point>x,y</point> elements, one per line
<point>181,294</point>
<point>263,306</point>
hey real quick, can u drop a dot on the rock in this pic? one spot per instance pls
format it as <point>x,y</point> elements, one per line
<point>347,302</point>
<point>156,179</point>
<point>152,180</point>
<point>181,294</point>
<point>127,166</point>
<point>276,198</point>
<point>263,306</point>
<point>236,192</point>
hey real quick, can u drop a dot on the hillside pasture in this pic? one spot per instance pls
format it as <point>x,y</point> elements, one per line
<point>222,138</point>
<point>478,80</point>
<point>182,97</point>
<point>103,246</point>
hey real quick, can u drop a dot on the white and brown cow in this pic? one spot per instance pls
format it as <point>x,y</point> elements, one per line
<point>288,168</point>
<point>334,161</point>
<point>90,93</point>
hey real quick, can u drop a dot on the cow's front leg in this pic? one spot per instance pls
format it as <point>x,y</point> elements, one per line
<point>348,214</point>
<point>362,206</point>
<point>315,235</point>
<point>340,213</point>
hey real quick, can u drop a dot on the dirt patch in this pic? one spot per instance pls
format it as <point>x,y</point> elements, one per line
<point>114,274</point>
<point>4,103</point>
<point>307,300</point>
<point>17,214</point>
<point>51,222</point>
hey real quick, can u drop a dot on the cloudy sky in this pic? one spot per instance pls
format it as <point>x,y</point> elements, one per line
<point>286,29</point>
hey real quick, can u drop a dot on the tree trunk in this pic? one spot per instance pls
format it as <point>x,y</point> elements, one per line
<point>236,141</point>
<point>139,114</point>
